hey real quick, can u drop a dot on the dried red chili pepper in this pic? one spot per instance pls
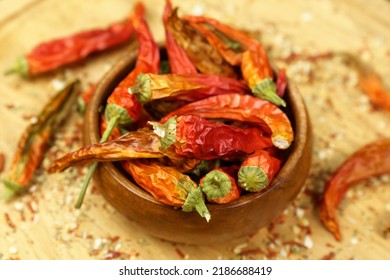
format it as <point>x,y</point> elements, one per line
<point>178,59</point>
<point>234,39</point>
<point>142,143</point>
<point>187,87</point>
<point>53,54</point>
<point>243,108</point>
<point>219,186</point>
<point>168,185</point>
<point>122,108</point>
<point>195,137</point>
<point>36,138</point>
<point>258,73</point>
<point>229,49</point>
<point>368,161</point>
<point>204,56</point>
<point>257,171</point>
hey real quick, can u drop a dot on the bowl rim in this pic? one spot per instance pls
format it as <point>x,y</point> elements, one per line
<point>118,71</point>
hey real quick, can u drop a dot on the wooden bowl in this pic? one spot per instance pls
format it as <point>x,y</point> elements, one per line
<point>237,219</point>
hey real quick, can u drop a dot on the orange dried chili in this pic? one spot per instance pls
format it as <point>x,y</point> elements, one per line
<point>178,59</point>
<point>258,73</point>
<point>188,87</point>
<point>168,185</point>
<point>195,137</point>
<point>257,171</point>
<point>243,108</point>
<point>53,54</point>
<point>370,160</point>
<point>220,186</point>
<point>36,138</point>
<point>204,56</point>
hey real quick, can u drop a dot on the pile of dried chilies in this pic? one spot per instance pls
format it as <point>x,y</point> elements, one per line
<point>210,129</point>
<point>207,130</point>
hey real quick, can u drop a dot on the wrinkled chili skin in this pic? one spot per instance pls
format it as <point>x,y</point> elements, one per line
<point>242,108</point>
<point>205,58</point>
<point>370,160</point>
<point>178,59</point>
<point>53,54</point>
<point>201,139</point>
<point>35,140</point>
<point>148,60</point>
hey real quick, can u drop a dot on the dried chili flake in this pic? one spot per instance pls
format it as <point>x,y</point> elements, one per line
<point>195,137</point>
<point>370,160</point>
<point>36,138</point>
<point>9,221</point>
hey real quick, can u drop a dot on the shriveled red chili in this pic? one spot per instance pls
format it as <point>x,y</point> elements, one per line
<point>178,59</point>
<point>368,161</point>
<point>195,137</point>
<point>257,171</point>
<point>188,87</point>
<point>203,55</point>
<point>50,55</point>
<point>243,108</point>
<point>168,185</point>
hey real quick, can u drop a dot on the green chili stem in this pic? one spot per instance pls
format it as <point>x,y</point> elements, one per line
<point>107,132</point>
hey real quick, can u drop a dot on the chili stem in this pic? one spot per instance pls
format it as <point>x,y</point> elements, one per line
<point>107,132</point>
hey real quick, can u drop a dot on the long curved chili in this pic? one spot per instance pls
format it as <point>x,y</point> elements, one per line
<point>53,54</point>
<point>195,137</point>
<point>220,186</point>
<point>188,87</point>
<point>36,138</point>
<point>178,59</point>
<point>368,161</point>
<point>243,108</point>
